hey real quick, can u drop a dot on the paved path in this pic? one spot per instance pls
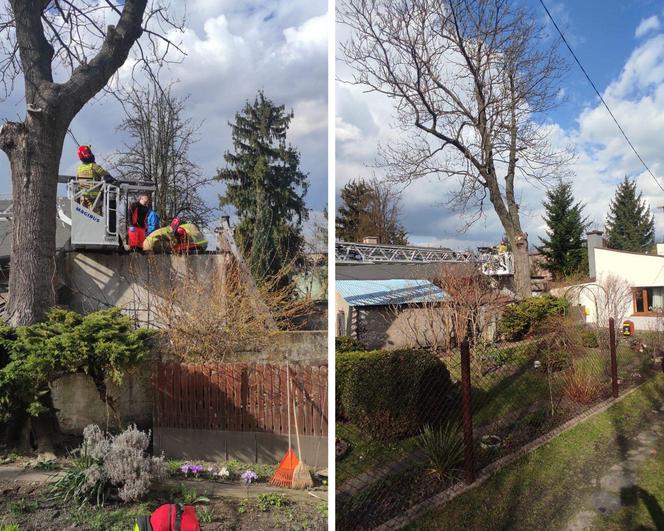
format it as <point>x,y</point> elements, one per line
<point>17,474</point>
<point>606,496</point>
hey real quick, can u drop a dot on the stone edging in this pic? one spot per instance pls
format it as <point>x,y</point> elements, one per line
<point>449,494</point>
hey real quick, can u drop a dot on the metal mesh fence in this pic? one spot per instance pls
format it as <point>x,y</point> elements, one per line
<point>396,451</point>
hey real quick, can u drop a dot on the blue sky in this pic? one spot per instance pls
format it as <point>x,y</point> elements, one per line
<point>601,34</point>
<point>621,45</point>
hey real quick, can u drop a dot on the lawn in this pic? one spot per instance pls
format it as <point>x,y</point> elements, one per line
<point>365,453</point>
<point>512,399</point>
<point>547,487</point>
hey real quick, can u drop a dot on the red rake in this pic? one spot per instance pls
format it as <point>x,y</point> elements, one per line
<point>283,476</point>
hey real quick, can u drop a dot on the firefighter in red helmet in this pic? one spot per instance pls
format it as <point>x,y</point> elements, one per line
<point>88,174</point>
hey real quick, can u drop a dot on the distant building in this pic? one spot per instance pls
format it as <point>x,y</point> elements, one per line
<point>634,280</point>
<point>390,313</point>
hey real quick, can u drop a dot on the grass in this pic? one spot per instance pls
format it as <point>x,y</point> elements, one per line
<point>496,395</point>
<point>102,519</point>
<point>544,489</point>
<point>642,503</point>
<point>365,452</point>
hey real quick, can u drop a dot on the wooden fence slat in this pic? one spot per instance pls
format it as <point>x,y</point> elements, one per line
<point>241,397</point>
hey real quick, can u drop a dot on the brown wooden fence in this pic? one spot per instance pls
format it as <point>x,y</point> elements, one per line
<point>241,397</point>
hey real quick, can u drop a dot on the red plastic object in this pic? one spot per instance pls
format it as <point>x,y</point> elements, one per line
<point>628,328</point>
<point>160,518</point>
<point>136,237</point>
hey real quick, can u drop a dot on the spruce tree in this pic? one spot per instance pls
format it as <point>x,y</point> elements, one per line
<point>629,225</point>
<point>370,208</point>
<point>266,187</point>
<point>354,200</point>
<point>564,246</point>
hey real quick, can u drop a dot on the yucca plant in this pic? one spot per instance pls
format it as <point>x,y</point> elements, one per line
<point>443,447</point>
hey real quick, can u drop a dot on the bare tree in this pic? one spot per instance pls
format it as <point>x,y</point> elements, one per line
<point>370,208</point>
<point>472,302</point>
<point>84,43</point>
<point>382,213</point>
<point>468,79</point>
<point>203,320</point>
<point>159,152</point>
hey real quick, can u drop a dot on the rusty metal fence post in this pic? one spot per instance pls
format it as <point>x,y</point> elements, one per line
<point>468,459</point>
<point>614,357</point>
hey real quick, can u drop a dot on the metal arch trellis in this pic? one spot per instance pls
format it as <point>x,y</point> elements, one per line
<point>490,261</point>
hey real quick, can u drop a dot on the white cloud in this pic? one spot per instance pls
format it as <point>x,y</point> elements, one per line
<point>647,25</point>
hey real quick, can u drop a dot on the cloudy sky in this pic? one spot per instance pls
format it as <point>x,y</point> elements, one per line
<point>621,45</point>
<point>233,50</point>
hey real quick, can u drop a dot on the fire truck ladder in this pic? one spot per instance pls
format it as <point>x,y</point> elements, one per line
<point>490,261</point>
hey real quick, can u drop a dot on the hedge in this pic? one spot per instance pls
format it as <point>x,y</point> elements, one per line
<point>393,394</point>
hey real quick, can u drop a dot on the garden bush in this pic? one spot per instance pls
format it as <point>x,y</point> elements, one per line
<point>559,343</point>
<point>589,338</point>
<point>106,464</point>
<point>347,344</point>
<point>102,344</point>
<point>521,318</point>
<point>345,363</point>
<point>393,394</point>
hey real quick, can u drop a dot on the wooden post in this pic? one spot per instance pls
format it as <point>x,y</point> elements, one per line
<point>614,358</point>
<point>468,460</point>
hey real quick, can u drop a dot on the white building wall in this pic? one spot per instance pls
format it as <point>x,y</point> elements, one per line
<point>638,270</point>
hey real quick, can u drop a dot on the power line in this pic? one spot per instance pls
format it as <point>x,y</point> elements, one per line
<point>600,96</point>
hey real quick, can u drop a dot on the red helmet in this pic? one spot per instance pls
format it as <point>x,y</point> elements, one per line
<point>84,152</point>
<point>175,223</point>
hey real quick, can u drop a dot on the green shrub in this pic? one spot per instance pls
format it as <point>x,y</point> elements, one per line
<point>589,338</point>
<point>345,363</point>
<point>101,344</point>
<point>443,447</point>
<point>521,318</point>
<point>347,344</point>
<point>392,394</point>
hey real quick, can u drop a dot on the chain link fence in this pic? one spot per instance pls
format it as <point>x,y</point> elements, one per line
<point>412,423</point>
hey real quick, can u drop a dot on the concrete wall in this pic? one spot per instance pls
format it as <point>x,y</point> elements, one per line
<point>247,447</point>
<point>77,401</point>
<point>92,281</point>
<point>409,326</point>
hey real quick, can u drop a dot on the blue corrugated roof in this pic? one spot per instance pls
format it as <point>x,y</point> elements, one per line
<point>386,292</point>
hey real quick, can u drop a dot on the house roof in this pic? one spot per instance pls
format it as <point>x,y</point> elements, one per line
<point>386,292</point>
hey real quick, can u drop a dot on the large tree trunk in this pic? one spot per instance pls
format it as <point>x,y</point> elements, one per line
<point>34,148</point>
<point>522,282</point>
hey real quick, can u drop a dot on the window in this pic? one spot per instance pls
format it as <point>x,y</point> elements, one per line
<point>648,301</point>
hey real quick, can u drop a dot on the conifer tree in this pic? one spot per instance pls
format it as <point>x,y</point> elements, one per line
<point>266,187</point>
<point>354,199</point>
<point>564,245</point>
<point>629,225</point>
<point>370,208</point>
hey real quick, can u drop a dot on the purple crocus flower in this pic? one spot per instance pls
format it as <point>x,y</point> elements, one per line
<point>248,476</point>
<point>189,467</point>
